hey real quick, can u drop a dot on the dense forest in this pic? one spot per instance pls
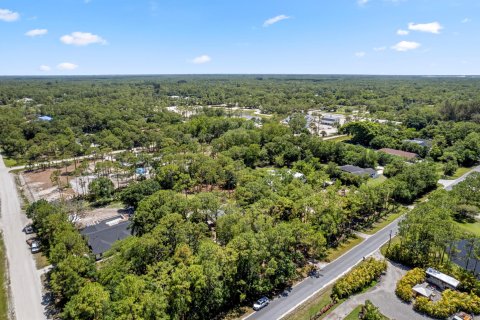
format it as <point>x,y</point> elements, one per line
<point>232,210</point>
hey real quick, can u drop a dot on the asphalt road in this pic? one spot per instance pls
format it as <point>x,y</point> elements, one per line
<point>289,301</point>
<point>448,184</point>
<point>25,283</point>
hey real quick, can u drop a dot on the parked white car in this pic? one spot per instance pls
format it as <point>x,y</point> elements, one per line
<point>35,247</point>
<point>261,303</point>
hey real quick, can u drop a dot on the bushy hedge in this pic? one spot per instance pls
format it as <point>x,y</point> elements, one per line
<point>404,286</point>
<point>450,303</point>
<point>360,277</point>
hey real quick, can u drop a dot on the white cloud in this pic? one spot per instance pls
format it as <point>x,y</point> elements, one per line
<point>360,54</point>
<point>362,2</point>
<point>379,49</point>
<point>8,15</point>
<point>201,59</point>
<point>45,68</point>
<point>36,32</point>
<point>432,27</point>
<point>82,39</point>
<point>406,46</point>
<point>274,20</point>
<point>466,20</point>
<point>402,32</point>
<point>67,66</point>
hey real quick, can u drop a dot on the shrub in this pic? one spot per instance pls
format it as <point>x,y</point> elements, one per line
<point>451,302</point>
<point>370,312</point>
<point>360,277</point>
<point>405,285</point>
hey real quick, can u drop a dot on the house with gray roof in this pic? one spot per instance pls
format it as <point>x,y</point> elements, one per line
<point>359,171</point>
<point>102,236</point>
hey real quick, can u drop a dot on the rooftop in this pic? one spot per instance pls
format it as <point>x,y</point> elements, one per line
<point>45,118</point>
<point>420,142</point>
<point>357,170</point>
<point>423,290</point>
<point>443,277</point>
<point>101,236</point>
<point>400,153</point>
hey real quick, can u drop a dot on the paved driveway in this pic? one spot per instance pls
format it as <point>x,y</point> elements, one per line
<point>448,184</point>
<point>383,296</point>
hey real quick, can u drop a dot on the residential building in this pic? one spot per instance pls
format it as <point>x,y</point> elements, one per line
<point>359,171</point>
<point>101,236</point>
<point>400,153</point>
<point>441,280</point>
<point>331,120</point>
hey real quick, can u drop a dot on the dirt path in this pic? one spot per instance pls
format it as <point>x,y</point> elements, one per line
<point>25,283</point>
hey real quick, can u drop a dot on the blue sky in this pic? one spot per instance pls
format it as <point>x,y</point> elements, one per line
<point>51,37</point>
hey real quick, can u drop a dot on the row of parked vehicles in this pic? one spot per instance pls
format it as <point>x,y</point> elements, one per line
<point>32,242</point>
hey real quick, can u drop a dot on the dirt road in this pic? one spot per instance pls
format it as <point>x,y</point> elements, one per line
<point>25,283</point>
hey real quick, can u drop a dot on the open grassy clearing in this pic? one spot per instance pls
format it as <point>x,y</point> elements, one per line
<point>341,139</point>
<point>473,228</point>
<point>461,171</point>
<point>376,182</point>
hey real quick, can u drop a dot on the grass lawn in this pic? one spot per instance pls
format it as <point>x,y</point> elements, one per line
<point>354,315</point>
<point>461,171</point>
<point>41,260</point>
<point>320,300</point>
<point>3,286</point>
<point>383,249</point>
<point>473,228</point>
<point>377,181</point>
<point>383,222</point>
<point>12,162</point>
<point>115,205</point>
<point>313,306</point>
<point>341,139</point>
<point>334,253</point>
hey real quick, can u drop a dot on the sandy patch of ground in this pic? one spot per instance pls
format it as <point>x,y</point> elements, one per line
<point>92,217</point>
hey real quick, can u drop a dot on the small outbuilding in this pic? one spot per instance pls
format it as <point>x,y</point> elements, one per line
<point>423,290</point>
<point>441,280</point>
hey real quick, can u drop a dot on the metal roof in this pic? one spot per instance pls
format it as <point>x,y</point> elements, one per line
<point>443,277</point>
<point>422,290</point>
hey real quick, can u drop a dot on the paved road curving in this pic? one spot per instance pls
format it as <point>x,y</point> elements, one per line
<point>448,184</point>
<point>25,283</point>
<point>299,294</point>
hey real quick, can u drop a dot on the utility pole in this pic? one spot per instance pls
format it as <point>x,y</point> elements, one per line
<point>389,241</point>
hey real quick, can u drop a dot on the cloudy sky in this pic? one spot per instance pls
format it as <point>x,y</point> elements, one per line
<point>50,37</point>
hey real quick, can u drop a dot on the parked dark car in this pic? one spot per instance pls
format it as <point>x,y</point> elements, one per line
<point>29,229</point>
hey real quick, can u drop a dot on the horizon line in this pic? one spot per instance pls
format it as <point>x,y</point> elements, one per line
<point>237,74</point>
